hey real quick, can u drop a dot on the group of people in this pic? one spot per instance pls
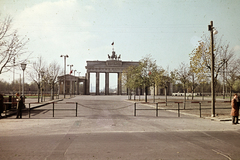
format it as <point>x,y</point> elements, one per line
<point>20,105</point>
<point>235,103</point>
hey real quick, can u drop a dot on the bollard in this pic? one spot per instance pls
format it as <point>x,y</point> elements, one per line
<point>29,112</point>
<point>53,109</point>
<point>156,109</point>
<point>76,108</point>
<point>178,110</point>
<point>135,109</point>
<point>200,109</point>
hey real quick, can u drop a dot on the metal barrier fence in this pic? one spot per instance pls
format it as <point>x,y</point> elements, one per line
<point>12,111</point>
<point>178,109</point>
<point>53,107</point>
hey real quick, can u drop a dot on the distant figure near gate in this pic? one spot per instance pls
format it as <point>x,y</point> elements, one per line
<point>235,109</point>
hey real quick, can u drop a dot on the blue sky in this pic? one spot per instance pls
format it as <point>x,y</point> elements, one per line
<point>84,29</point>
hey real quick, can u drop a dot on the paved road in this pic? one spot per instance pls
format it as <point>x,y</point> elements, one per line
<point>106,129</point>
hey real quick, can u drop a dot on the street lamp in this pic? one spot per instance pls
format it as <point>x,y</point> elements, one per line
<point>23,66</point>
<point>42,74</point>
<point>51,87</point>
<point>212,31</point>
<point>64,89</point>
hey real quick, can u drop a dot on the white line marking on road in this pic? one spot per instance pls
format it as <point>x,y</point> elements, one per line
<point>219,152</point>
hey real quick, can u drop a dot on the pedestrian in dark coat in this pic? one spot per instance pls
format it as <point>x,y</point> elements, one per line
<point>235,109</point>
<point>20,105</point>
<point>1,105</point>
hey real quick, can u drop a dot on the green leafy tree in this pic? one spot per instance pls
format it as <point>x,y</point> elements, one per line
<point>149,70</point>
<point>143,75</point>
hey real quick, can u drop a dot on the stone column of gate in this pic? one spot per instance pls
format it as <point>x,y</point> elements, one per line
<point>97,83</point>
<point>77,86</point>
<point>59,87</point>
<point>70,87</point>
<point>88,83</point>
<point>106,83</point>
<point>119,83</point>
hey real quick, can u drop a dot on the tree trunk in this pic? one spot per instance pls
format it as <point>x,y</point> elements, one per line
<point>166,95</point>
<point>184,97</point>
<point>146,92</point>
<point>38,92</point>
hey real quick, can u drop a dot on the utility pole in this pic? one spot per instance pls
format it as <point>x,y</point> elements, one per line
<point>212,31</point>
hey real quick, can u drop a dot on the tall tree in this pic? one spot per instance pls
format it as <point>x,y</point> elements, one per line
<point>52,72</point>
<point>232,74</point>
<point>148,69</point>
<point>12,46</point>
<point>35,73</point>
<point>183,76</point>
<point>200,58</point>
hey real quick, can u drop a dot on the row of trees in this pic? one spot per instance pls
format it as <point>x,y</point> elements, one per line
<point>43,75</point>
<point>192,75</point>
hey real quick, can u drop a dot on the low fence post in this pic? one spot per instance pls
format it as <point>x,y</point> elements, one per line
<point>200,109</point>
<point>135,109</point>
<point>156,109</point>
<point>53,109</point>
<point>76,108</point>
<point>178,110</point>
<point>29,111</point>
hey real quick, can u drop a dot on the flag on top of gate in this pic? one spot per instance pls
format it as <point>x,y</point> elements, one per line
<point>112,43</point>
<point>71,72</point>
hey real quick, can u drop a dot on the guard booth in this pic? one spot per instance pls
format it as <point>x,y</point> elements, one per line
<point>10,102</point>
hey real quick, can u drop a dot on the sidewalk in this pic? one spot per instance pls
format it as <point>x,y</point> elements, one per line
<point>31,103</point>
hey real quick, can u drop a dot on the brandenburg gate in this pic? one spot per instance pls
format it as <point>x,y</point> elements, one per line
<point>112,65</point>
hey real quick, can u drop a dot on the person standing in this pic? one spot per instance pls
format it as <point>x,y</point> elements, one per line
<point>20,105</point>
<point>235,109</point>
<point>1,104</point>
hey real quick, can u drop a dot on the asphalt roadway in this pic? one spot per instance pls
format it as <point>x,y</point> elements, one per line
<point>105,128</point>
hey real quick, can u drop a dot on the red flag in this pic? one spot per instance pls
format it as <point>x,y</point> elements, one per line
<point>71,72</point>
<point>112,43</point>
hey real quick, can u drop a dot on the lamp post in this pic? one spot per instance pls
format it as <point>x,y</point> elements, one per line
<point>23,66</point>
<point>212,31</point>
<point>64,88</point>
<point>70,89</point>
<point>42,74</point>
<point>51,88</point>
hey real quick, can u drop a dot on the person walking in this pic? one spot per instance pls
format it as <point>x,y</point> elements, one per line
<point>235,109</point>
<point>20,105</point>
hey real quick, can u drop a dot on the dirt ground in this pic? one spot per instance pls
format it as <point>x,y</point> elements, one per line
<point>197,106</point>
